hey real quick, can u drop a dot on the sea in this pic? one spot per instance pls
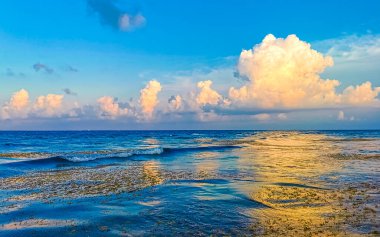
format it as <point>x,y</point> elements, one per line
<point>189,183</point>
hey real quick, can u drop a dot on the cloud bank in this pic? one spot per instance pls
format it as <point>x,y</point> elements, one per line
<point>19,106</point>
<point>279,76</point>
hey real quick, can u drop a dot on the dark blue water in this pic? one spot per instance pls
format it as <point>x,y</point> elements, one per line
<point>186,182</point>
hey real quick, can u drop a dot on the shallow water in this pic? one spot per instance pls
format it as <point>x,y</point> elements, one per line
<point>190,183</point>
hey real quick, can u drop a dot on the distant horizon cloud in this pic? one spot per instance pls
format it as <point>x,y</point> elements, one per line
<point>19,106</point>
<point>49,105</point>
<point>111,108</point>
<point>112,15</point>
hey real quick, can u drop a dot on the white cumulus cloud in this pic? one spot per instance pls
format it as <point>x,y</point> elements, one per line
<point>360,95</point>
<point>17,106</point>
<point>207,95</point>
<point>49,105</point>
<point>109,107</point>
<point>148,98</point>
<point>285,73</point>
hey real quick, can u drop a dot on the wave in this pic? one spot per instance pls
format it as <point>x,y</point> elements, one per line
<point>201,148</point>
<point>84,156</point>
<point>111,154</point>
<point>143,151</point>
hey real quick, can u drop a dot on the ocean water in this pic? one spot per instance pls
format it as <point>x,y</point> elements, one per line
<point>170,183</point>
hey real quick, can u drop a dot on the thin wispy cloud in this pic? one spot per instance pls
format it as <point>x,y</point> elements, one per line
<point>42,67</point>
<point>69,92</point>
<point>112,13</point>
<point>10,73</point>
<point>71,69</point>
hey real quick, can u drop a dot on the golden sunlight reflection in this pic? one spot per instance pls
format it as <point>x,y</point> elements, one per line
<point>206,163</point>
<point>288,166</point>
<point>288,156</point>
<point>151,172</point>
<point>151,141</point>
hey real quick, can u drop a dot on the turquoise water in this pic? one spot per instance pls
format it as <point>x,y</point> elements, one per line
<point>189,182</point>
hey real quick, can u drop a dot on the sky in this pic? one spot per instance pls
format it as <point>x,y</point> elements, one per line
<point>148,64</point>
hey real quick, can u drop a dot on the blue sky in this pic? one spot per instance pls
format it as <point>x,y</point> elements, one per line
<point>83,47</point>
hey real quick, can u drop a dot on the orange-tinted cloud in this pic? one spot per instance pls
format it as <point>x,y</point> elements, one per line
<point>17,106</point>
<point>49,105</point>
<point>109,107</point>
<point>148,98</point>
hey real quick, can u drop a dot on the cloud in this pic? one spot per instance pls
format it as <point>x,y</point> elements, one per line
<point>10,73</point>
<point>208,96</point>
<point>17,106</point>
<point>19,100</point>
<point>340,115</point>
<point>71,69</point>
<point>49,105</point>
<point>352,48</point>
<point>261,117</point>
<point>69,92</point>
<point>111,14</point>
<point>356,58</point>
<point>42,67</point>
<point>282,116</point>
<point>128,22</point>
<point>175,102</point>
<point>148,98</point>
<point>277,77</point>
<point>109,107</point>
<point>360,95</point>
<point>285,73</point>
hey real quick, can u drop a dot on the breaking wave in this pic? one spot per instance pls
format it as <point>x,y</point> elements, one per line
<point>83,156</point>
